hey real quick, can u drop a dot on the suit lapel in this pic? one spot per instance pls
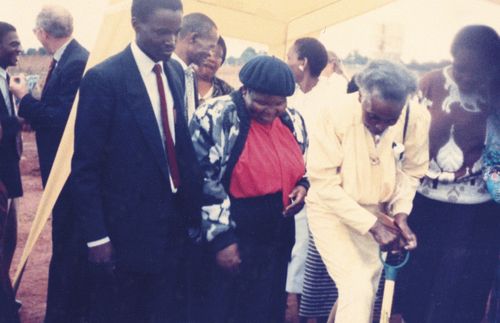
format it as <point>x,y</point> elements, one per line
<point>56,73</point>
<point>3,105</point>
<point>139,103</point>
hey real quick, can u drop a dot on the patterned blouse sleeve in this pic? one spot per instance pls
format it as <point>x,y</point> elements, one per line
<point>210,145</point>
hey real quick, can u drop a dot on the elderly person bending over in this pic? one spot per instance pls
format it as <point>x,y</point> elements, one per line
<point>361,182</point>
<point>251,146</point>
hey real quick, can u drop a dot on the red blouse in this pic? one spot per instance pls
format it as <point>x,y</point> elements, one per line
<point>271,161</point>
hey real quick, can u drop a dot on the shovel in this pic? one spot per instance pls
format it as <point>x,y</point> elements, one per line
<point>391,272</point>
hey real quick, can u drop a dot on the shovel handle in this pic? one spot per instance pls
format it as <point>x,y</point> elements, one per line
<point>391,271</point>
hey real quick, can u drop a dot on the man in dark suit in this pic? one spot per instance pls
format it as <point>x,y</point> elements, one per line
<point>136,180</point>
<point>198,36</point>
<point>10,178</point>
<point>48,116</point>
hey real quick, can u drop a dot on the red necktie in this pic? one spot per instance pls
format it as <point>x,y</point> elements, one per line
<point>51,69</point>
<point>169,142</point>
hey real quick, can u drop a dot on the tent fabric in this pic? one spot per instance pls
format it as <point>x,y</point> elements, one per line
<point>274,23</point>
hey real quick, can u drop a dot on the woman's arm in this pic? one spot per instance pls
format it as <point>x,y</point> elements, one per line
<point>210,146</point>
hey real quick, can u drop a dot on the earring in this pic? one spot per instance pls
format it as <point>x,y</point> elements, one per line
<point>301,68</point>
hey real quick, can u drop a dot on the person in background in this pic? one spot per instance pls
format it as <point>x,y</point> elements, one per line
<point>10,175</point>
<point>335,74</point>
<point>209,85</point>
<point>491,154</point>
<point>306,58</point>
<point>361,187</point>
<point>251,146</point>
<point>8,308</point>
<point>197,39</point>
<point>450,274</point>
<point>47,115</point>
<point>491,175</point>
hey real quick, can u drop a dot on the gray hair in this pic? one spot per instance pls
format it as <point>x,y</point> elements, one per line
<point>391,80</point>
<point>198,23</point>
<point>56,21</point>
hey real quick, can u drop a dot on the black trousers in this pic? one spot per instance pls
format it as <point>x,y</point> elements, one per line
<point>133,297</point>
<point>68,287</point>
<point>451,272</point>
<point>257,292</point>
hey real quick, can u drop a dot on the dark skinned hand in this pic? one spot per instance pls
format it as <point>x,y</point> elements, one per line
<point>386,236</point>
<point>410,239</point>
<point>297,197</point>
<point>229,258</point>
<point>102,258</point>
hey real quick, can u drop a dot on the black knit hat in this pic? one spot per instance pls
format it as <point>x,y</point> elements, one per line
<point>268,75</point>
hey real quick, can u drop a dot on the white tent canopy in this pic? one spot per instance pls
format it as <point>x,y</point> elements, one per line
<point>274,23</point>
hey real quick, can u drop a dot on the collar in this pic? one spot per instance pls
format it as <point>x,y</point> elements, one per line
<point>144,62</point>
<point>3,73</point>
<point>183,64</point>
<point>59,53</point>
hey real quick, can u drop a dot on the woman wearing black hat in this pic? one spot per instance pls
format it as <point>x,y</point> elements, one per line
<point>251,146</point>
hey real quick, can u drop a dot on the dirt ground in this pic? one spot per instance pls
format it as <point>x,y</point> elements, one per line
<point>33,289</point>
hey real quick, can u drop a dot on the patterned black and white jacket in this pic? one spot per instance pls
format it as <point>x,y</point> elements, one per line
<point>219,130</point>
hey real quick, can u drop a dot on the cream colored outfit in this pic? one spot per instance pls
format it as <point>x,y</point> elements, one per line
<point>353,175</point>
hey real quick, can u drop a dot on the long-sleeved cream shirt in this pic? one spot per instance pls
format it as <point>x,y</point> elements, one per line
<point>351,175</point>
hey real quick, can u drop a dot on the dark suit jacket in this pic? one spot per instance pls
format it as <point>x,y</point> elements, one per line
<point>120,176</point>
<point>9,152</point>
<point>48,116</point>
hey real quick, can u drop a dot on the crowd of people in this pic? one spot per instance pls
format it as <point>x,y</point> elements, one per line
<point>192,201</point>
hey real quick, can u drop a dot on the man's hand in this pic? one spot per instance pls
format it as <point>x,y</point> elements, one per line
<point>410,238</point>
<point>19,86</point>
<point>297,197</point>
<point>386,236</point>
<point>25,125</point>
<point>229,258</point>
<point>103,256</point>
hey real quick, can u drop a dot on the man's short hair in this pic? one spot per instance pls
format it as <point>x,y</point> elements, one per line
<point>142,9</point>
<point>56,21</point>
<point>5,28</point>
<point>480,39</point>
<point>196,23</point>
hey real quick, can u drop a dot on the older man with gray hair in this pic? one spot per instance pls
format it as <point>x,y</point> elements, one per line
<point>48,116</point>
<point>364,165</point>
<point>197,39</point>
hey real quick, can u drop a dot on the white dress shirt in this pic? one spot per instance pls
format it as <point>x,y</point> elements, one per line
<point>59,53</point>
<point>145,66</point>
<point>4,88</point>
